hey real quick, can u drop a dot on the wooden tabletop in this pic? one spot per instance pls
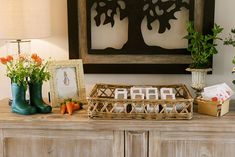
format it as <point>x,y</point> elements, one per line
<point>80,120</point>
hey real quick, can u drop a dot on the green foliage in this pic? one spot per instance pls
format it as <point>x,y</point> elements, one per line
<point>231,39</point>
<point>201,46</point>
<point>38,72</point>
<point>17,72</point>
<point>22,69</point>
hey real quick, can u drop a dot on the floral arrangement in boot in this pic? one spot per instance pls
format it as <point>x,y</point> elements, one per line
<point>24,70</point>
<point>38,73</point>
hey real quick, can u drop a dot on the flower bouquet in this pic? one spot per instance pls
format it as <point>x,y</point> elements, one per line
<point>16,69</point>
<point>27,70</point>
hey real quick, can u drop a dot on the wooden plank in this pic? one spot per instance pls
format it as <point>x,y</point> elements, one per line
<point>136,144</point>
<point>74,134</point>
<point>1,143</point>
<point>118,144</point>
<point>79,120</point>
<point>154,144</point>
<point>54,143</point>
<point>195,144</point>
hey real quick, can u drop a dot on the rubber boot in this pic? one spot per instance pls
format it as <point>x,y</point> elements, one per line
<point>19,104</point>
<point>35,92</point>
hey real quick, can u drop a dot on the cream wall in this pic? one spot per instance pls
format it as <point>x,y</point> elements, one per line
<point>57,47</point>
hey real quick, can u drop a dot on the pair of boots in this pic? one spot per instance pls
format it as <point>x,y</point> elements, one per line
<point>36,105</point>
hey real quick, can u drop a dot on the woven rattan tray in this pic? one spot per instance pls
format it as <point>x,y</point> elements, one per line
<point>101,104</point>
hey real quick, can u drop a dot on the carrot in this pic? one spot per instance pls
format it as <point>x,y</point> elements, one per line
<point>69,106</point>
<point>76,107</point>
<point>62,108</point>
<point>72,103</point>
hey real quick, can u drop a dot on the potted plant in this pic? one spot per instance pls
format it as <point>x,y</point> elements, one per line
<point>202,48</point>
<point>38,73</point>
<point>231,41</point>
<point>24,70</point>
<point>16,68</point>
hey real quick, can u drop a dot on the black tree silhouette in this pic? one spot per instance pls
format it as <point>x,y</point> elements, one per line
<point>136,11</point>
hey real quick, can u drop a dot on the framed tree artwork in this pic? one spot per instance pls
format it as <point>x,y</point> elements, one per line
<point>135,36</point>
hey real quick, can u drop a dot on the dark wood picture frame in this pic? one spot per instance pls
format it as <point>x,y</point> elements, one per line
<point>203,17</point>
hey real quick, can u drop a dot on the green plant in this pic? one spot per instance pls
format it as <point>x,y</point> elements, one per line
<point>201,46</point>
<point>16,69</point>
<point>22,69</point>
<point>38,70</point>
<point>231,41</point>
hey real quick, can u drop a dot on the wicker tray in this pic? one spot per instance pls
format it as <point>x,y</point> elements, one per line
<point>101,104</point>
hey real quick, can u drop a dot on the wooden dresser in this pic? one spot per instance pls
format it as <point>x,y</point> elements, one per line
<point>56,135</point>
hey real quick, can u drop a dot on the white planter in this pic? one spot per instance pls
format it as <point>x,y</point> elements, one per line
<point>198,78</point>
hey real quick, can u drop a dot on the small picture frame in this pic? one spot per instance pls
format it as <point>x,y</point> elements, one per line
<point>120,93</point>
<point>67,81</point>
<point>134,91</point>
<point>165,91</point>
<point>142,88</point>
<point>138,106</point>
<point>151,91</point>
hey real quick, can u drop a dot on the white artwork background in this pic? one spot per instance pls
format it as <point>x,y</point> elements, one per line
<point>66,81</point>
<point>105,36</point>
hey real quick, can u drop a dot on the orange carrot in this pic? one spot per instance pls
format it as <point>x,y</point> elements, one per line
<point>76,107</point>
<point>62,108</point>
<point>69,106</point>
<point>72,104</point>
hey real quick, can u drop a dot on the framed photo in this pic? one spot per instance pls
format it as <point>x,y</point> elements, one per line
<point>138,106</point>
<point>67,81</point>
<point>151,91</point>
<point>166,90</point>
<point>135,90</point>
<point>120,93</point>
<point>94,24</point>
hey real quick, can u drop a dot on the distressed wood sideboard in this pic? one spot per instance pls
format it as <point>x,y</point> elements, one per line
<point>56,135</point>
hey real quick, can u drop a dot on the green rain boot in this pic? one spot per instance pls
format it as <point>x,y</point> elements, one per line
<point>35,92</point>
<point>19,104</point>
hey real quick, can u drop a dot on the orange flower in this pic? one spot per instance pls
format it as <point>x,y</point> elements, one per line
<point>3,60</point>
<point>36,59</point>
<point>22,57</point>
<point>34,56</point>
<point>9,58</point>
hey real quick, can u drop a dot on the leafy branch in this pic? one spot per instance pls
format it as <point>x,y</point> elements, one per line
<point>202,46</point>
<point>231,39</point>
